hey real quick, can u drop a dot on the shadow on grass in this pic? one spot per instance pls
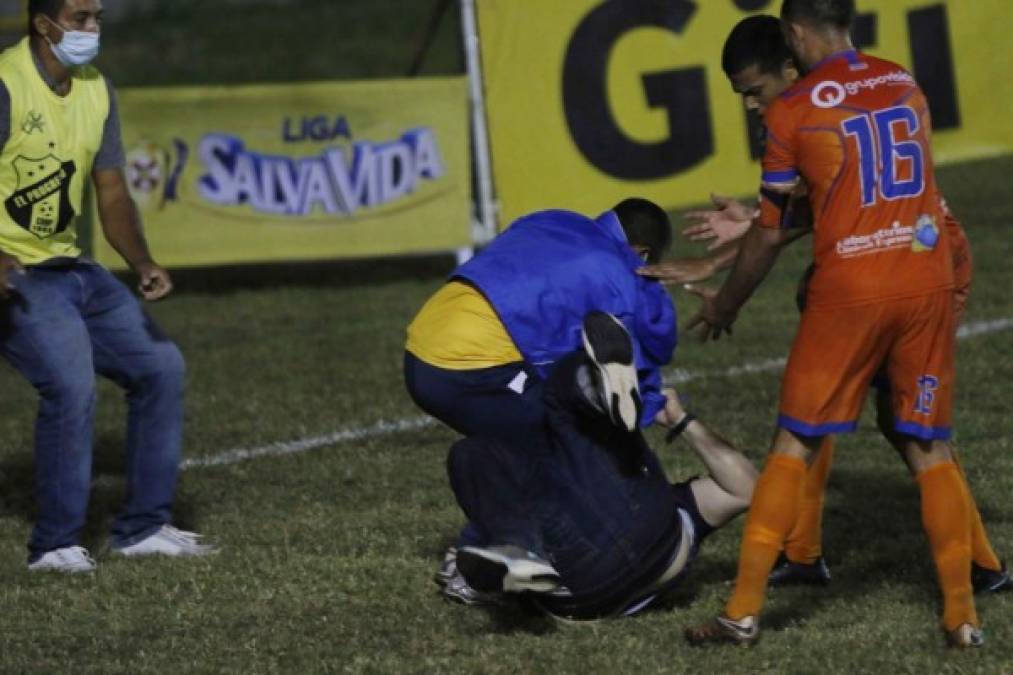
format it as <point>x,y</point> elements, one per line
<point>328,274</point>
<point>873,539</point>
<point>17,491</point>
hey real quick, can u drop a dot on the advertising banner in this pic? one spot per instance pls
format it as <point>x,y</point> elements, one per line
<point>591,101</point>
<point>298,172</point>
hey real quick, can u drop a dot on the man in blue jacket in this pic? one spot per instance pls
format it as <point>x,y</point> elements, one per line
<point>480,349</point>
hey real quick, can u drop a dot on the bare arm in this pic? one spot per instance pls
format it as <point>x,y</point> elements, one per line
<point>121,224</point>
<point>728,488</point>
<point>688,270</point>
<point>726,225</point>
<point>759,250</point>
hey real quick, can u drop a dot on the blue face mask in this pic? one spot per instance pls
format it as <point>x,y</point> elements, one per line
<point>77,47</point>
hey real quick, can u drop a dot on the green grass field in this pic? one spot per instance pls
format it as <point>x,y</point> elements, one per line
<point>328,553</point>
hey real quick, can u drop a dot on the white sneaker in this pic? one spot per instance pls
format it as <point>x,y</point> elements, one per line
<point>167,540</point>
<point>71,559</point>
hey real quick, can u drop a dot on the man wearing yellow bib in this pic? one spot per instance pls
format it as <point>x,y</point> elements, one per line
<point>64,317</point>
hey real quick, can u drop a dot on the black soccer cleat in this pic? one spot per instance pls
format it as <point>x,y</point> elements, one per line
<point>788,573</point>
<point>610,348</point>
<point>985,580</point>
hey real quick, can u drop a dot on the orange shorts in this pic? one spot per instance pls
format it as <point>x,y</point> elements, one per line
<point>837,352</point>
<point>962,265</point>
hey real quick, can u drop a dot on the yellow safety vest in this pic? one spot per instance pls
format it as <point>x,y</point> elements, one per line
<point>48,158</point>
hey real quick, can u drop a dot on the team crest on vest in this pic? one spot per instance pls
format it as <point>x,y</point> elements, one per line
<point>41,200</point>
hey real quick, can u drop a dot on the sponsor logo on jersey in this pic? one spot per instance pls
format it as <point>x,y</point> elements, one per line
<point>897,77</point>
<point>828,94</point>
<point>920,237</point>
<point>926,234</point>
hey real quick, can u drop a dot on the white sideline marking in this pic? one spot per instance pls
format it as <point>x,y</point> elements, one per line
<point>237,455</point>
<point>983,327</point>
<point>382,428</point>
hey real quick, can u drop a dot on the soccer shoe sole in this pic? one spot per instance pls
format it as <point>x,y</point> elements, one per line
<point>611,349</point>
<point>491,572</point>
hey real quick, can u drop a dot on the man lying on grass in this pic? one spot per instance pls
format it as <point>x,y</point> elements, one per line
<point>589,524</point>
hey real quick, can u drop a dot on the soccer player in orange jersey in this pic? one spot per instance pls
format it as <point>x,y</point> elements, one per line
<point>856,129</point>
<point>760,68</point>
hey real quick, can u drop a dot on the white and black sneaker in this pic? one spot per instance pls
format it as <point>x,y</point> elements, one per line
<point>448,568</point>
<point>610,348</point>
<point>506,569</point>
<point>458,590</point>
<point>744,632</point>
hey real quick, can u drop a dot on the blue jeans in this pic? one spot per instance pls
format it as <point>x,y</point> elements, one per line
<point>594,501</point>
<point>63,324</point>
<point>481,401</point>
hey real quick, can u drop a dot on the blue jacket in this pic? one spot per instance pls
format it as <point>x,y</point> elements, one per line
<point>550,268</point>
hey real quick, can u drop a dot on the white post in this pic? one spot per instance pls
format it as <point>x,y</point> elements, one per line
<point>485,228</point>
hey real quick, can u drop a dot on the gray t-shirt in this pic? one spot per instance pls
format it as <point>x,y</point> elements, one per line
<point>110,153</point>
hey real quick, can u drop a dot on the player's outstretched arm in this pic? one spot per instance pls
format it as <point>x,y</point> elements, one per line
<point>728,488</point>
<point>728,221</point>
<point>757,254</point>
<point>689,270</point>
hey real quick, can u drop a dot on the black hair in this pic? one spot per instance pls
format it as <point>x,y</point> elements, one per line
<point>50,8</point>
<point>820,13</point>
<point>755,41</point>
<point>645,224</point>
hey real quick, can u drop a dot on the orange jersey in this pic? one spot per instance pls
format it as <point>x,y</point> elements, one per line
<point>857,130</point>
<point>963,264</point>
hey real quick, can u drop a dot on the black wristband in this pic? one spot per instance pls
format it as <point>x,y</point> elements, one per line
<point>679,427</point>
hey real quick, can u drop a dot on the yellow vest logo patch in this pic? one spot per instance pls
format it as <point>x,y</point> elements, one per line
<point>33,122</point>
<point>41,201</point>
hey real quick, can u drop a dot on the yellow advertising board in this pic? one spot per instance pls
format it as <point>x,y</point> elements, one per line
<point>298,172</point>
<point>590,101</point>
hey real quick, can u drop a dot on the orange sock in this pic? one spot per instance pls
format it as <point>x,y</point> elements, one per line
<point>772,513</point>
<point>981,548</point>
<point>947,520</point>
<point>805,542</point>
